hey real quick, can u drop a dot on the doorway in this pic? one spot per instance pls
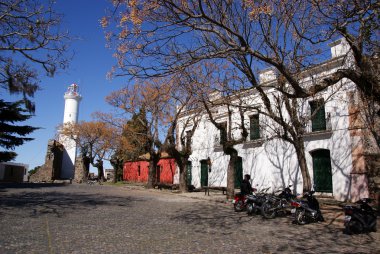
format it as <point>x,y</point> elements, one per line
<point>322,170</point>
<point>204,173</point>
<point>238,172</point>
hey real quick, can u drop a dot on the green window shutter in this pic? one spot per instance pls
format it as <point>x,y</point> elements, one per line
<point>254,129</point>
<point>223,133</point>
<point>318,122</point>
<point>204,173</point>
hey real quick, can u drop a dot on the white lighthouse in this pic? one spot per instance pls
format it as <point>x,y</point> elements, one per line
<point>72,99</point>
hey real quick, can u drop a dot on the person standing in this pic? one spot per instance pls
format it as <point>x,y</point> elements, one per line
<point>245,187</point>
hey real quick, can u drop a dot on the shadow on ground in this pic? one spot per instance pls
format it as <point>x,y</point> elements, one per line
<point>5,186</point>
<point>38,199</point>
<point>311,238</point>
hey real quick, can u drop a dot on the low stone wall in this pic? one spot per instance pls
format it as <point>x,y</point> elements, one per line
<point>81,169</point>
<point>53,162</point>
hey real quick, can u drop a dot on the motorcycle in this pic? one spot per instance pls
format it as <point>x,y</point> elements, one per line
<point>255,201</point>
<point>360,218</point>
<point>275,205</point>
<point>240,201</point>
<point>306,211</point>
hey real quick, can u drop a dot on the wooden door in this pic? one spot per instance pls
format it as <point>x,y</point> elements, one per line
<point>322,171</point>
<point>238,172</point>
<point>204,173</point>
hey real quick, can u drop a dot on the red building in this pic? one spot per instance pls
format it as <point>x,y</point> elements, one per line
<point>137,171</point>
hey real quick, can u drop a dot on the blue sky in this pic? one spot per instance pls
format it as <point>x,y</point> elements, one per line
<point>88,68</point>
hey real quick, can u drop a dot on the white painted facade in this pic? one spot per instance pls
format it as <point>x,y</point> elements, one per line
<point>272,162</point>
<point>72,100</point>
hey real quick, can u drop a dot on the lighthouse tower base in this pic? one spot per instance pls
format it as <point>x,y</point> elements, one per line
<point>68,157</point>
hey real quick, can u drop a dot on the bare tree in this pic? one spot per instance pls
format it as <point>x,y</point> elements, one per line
<point>30,38</point>
<point>162,100</point>
<point>95,140</point>
<point>282,34</point>
<point>150,98</point>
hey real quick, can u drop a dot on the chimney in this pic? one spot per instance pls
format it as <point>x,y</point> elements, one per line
<point>339,47</point>
<point>267,75</point>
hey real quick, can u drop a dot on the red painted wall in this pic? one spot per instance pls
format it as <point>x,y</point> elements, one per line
<point>167,169</point>
<point>137,171</point>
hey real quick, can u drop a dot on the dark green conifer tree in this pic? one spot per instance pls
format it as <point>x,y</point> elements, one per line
<point>12,135</point>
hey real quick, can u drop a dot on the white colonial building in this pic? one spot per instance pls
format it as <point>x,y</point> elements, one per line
<point>333,141</point>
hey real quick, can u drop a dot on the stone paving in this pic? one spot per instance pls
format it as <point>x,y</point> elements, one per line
<point>55,218</point>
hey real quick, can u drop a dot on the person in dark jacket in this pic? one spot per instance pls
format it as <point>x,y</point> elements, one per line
<point>245,187</point>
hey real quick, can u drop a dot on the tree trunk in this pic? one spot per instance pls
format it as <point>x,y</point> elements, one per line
<point>86,163</point>
<point>99,166</point>
<point>117,165</point>
<point>151,175</point>
<point>115,173</point>
<point>231,173</point>
<point>300,151</point>
<point>183,174</point>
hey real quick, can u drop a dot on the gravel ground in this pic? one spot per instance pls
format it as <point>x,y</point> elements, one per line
<point>53,218</point>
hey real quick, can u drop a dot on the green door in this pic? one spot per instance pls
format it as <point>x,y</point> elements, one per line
<point>204,173</point>
<point>188,172</point>
<point>238,172</point>
<point>322,170</point>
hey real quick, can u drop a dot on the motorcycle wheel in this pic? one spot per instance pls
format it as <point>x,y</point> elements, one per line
<point>354,227</point>
<point>250,208</point>
<point>301,217</point>
<point>239,206</point>
<point>267,210</point>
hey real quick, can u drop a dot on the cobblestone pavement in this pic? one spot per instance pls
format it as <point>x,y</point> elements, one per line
<point>105,219</point>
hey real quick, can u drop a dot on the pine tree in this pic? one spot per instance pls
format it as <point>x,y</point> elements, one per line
<point>12,135</point>
<point>136,131</point>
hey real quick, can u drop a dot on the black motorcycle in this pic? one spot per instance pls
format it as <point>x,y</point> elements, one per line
<point>277,204</point>
<point>360,218</point>
<point>255,201</point>
<point>306,210</point>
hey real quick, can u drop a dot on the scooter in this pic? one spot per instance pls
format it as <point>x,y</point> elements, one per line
<point>306,210</point>
<point>360,218</point>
